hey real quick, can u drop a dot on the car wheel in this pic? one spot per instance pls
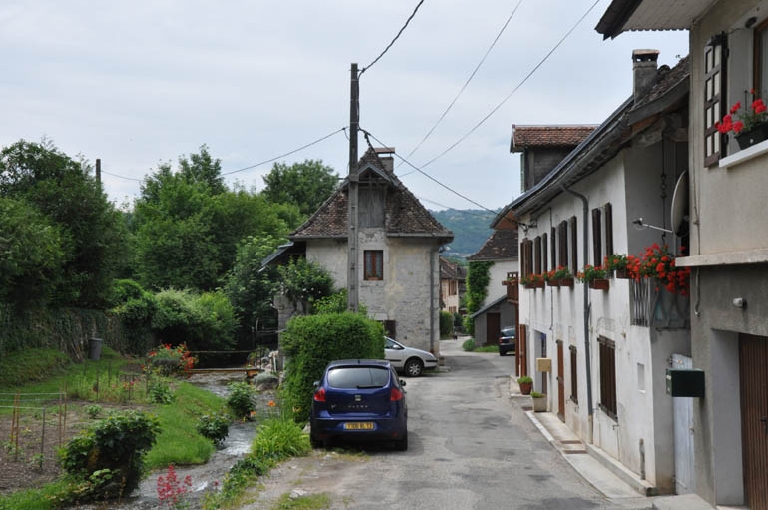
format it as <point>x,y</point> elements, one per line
<point>402,444</point>
<point>414,367</point>
<point>314,442</point>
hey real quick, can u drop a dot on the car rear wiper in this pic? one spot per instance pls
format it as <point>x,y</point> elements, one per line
<point>368,386</point>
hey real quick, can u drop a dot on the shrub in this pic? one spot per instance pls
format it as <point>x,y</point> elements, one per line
<point>168,360</point>
<point>310,342</point>
<point>214,427</point>
<point>240,399</point>
<point>279,438</point>
<point>93,411</point>
<point>469,345</point>
<point>107,458</point>
<point>160,392</point>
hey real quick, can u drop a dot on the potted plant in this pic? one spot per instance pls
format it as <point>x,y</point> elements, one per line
<point>562,275</point>
<point>525,383</point>
<point>617,264</point>
<point>532,281</point>
<point>539,402</point>
<point>658,263</point>
<point>594,276</point>
<point>749,126</point>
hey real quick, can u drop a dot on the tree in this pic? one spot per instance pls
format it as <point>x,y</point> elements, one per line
<point>306,185</point>
<point>31,253</point>
<point>92,233</point>
<point>188,225</point>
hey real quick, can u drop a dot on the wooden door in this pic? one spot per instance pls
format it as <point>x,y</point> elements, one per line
<point>753,378</point>
<point>492,328</point>
<point>521,349</point>
<point>560,382</point>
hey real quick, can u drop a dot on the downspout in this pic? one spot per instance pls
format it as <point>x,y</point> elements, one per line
<point>587,305</point>
<point>432,256</point>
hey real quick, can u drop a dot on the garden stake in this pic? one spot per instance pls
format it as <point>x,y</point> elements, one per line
<point>42,442</point>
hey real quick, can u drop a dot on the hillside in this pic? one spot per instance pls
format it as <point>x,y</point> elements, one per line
<point>471,228</point>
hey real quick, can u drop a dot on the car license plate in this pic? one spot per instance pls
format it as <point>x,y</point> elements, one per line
<point>358,425</point>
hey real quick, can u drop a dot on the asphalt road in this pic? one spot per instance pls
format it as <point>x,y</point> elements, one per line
<point>470,447</point>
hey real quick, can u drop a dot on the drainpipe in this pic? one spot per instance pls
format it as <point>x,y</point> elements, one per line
<point>587,305</point>
<point>432,256</point>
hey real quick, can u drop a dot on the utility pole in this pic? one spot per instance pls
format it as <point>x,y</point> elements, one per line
<point>352,237</point>
<point>98,170</point>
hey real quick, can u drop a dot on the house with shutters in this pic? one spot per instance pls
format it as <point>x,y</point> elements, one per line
<point>496,312</point>
<point>453,285</point>
<point>399,241</point>
<point>601,354</point>
<point>728,254</point>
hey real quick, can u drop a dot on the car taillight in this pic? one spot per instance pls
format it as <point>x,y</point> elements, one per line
<point>319,395</point>
<point>395,395</point>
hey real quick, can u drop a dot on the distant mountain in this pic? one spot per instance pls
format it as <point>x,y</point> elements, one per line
<point>471,228</point>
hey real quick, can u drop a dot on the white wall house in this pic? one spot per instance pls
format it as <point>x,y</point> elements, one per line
<point>728,204</point>
<point>398,269</point>
<point>610,349</point>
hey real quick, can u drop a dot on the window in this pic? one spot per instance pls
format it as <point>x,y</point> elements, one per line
<point>574,375</point>
<point>526,257</point>
<point>714,93</point>
<point>544,266</point>
<point>537,255</point>
<point>562,242</point>
<point>374,265</point>
<point>761,60</point>
<point>608,214</point>
<point>607,376</point>
<point>553,248</point>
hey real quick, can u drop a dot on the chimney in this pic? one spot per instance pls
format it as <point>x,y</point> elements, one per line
<point>385,155</point>
<point>644,68</point>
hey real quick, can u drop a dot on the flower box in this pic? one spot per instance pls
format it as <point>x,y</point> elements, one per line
<point>622,273</point>
<point>566,282</point>
<point>749,138</point>
<point>599,284</point>
<point>553,283</point>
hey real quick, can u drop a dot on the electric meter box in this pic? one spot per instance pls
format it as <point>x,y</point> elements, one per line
<point>685,382</point>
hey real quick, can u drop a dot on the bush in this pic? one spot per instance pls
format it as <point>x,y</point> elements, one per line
<point>446,324</point>
<point>160,392</point>
<point>311,341</point>
<point>107,458</point>
<point>168,360</point>
<point>214,427</point>
<point>279,438</point>
<point>469,345</point>
<point>240,399</point>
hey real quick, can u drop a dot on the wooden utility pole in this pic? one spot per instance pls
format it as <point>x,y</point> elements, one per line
<point>98,170</point>
<point>352,237</point>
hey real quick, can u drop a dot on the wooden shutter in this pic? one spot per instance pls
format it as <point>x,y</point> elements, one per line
<point>562,244</point>
<point>544,265</point>
<point>714,95</point>
<point>608,212</point>
<point>537,255</point>
<point>574,245</point>
<point>597,244</point>
<point>553,248</point>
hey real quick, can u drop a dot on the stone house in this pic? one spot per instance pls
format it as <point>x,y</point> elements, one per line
<point>398,266</point>
<point>601,355</point>
<point>728,254</point>
<point>453,285</point>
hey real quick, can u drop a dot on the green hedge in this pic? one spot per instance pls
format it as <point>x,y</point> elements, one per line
<point>310,342</point>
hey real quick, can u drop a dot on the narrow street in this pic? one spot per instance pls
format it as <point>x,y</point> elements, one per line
<point>471,447</point>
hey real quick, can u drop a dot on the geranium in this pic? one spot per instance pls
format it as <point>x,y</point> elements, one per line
<point>169,360</point>
<point>615,261</point>
<point>590,273</point>
<point>559,273</point>
<point>738,121</point>
<point>658,263</point>
<point>531,278</point>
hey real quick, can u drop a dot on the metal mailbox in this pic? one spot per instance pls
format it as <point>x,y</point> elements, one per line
<point>685,382</point>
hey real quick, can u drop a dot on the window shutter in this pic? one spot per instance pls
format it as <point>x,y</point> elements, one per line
<point>553,248</point>
<point>608,212</point>
<point>574,245</point>
<point>562,241</point>
<point>537,255</point>
<point>714,93</point>
<point>544,253</point>
<point>597,243</point>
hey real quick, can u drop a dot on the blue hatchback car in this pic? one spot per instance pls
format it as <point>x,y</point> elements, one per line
<point>359,400</point>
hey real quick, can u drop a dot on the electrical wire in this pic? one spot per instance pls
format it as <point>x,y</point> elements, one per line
<point>427,175</point>
<point>525,79</point>
<point>393,40</point>
<point>287,153</point>
<point>471,76</point>
<point>121,177</point>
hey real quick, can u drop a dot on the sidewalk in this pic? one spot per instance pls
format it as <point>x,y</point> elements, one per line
<point>606,475</point>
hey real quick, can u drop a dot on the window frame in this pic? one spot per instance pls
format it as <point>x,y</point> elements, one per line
<point>572,352</point>
<point>607,368</point>
<point>373,265</point>
<point>714,91</point>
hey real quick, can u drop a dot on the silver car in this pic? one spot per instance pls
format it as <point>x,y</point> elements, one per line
<point>406,359</point>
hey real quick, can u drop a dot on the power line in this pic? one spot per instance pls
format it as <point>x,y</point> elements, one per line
<point>494,110</point>
<point>121,177</point>
<point>287,153</point>
<point>427,175</point>
<point>393,40</point>
<point>471,76</point>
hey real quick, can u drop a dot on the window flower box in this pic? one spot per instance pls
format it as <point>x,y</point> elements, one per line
<point>599,283</point>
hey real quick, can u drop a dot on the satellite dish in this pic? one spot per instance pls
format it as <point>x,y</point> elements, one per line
<point>679,213</point>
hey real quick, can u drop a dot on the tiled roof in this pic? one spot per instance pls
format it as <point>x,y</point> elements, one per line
<point>548,136</point>
<point>501,245</point>
<point>404,214</point>
<point>450,270</point>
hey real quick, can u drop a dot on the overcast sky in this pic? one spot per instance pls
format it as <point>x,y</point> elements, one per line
<point>144,82</point>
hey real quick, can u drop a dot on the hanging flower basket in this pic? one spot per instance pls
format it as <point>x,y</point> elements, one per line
<point>599,284</point>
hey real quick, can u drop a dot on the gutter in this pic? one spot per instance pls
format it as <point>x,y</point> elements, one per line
<point>587,306</point>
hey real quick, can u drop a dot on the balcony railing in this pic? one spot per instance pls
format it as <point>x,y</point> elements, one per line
<point>653,305</point>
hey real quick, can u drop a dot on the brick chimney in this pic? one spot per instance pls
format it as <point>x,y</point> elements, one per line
<point>644,67</point>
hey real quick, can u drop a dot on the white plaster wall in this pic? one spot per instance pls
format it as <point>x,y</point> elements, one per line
<point>410,291</point>
<point>498,273</point>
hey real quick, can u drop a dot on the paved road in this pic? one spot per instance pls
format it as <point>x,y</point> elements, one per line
<point>470,447</point>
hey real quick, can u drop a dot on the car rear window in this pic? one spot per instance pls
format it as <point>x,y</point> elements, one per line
<point>358,377</point>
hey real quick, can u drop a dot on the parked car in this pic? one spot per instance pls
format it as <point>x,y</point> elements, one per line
<point>408,360</point>
<point>359,400</point>
<point>507,340</point>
